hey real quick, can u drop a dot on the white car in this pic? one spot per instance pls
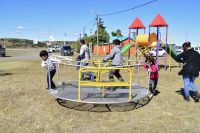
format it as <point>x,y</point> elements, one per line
<point>178,51</point>
<point>197,49</point>
<point>161,52</point>
<point>54,49</point>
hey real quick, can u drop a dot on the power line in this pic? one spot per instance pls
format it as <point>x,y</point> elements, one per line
<point>84,27</point>
<point>147,3</point>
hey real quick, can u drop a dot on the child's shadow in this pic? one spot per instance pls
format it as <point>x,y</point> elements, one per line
<point>181,92</point>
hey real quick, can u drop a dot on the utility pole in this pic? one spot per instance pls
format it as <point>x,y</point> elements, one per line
<point>4,41</point>
<point>80,36</point>
<point>97,30</point>
<point>65,38</point>
<point>84,31</point>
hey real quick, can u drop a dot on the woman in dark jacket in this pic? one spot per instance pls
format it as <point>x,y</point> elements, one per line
<point>191,67</point>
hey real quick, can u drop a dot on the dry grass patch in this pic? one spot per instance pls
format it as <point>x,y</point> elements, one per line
<point>25,106</point>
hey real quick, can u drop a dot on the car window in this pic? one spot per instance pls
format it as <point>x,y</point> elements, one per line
<point>67,48</point>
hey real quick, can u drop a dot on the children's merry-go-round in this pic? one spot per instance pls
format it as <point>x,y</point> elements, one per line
<point>98,90</point>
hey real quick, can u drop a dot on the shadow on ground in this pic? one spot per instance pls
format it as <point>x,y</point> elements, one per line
<point>167,67</point>
<point>5,56</point>
<point>4,74</point>
<point>105,107</point>
<point>181,92</point>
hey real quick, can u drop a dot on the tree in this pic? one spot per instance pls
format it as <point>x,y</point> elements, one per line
<point>113,33</point>
<point>117,33</point>
<point>102,34</point>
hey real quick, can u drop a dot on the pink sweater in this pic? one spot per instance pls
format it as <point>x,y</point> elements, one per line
<point>154,73</point>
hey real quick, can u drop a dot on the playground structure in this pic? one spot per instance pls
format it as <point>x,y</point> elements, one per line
<point>144,42</point>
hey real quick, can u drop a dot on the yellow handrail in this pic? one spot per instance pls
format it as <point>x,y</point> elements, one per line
<point>99,82</point>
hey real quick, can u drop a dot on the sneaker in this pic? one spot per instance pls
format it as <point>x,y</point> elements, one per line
<point>54,91</point>
<point>151,95</point>
<point>154,92</point>
<point>187,99</point>
<point>151,90</point>
<point>197,95</point>
<point>196,99</point>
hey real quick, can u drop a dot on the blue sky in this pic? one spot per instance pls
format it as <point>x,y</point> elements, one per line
<point>38,19</point>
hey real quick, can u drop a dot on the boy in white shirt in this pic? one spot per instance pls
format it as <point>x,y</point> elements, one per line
<point>84,55</point>
<point>50,64</point>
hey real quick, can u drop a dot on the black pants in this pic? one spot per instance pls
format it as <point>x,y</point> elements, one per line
<point>51,74</point>
<point>115,73</point>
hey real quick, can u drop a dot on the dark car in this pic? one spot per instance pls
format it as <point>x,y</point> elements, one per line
<point>66,51</point>
<point>2,51</point>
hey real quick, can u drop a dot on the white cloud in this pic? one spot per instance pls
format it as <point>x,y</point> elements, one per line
<point>20,29</point>
<point>46,33</point>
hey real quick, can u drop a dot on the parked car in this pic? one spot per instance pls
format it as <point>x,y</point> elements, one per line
<point>2,51</point>
<point>54,49</point>
<point>197,49</point>
<point>161,52</point>
<point>178,51</point>
<point>66,50</point>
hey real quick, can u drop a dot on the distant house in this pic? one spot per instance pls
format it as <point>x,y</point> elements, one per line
<point>106,47</point>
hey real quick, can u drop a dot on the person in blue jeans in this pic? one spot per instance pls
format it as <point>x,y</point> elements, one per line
<point>191,67</point>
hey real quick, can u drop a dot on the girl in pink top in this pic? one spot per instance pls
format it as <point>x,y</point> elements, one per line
<point>152,68</point>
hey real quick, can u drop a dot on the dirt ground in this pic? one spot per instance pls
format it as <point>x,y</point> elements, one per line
<point>25,105</point>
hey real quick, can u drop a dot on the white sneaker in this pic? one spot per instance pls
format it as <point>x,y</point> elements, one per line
<point>53,91</point>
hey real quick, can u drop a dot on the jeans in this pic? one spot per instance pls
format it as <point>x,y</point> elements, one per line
<point>153,84</point>
<point>51,73</point>
<point>189,82</point>
<point>91,75</point>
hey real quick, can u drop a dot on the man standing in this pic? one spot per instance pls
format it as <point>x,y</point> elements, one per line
<point>191,67</point>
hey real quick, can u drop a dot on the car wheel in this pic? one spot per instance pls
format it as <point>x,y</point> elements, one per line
<point>3,55</point>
